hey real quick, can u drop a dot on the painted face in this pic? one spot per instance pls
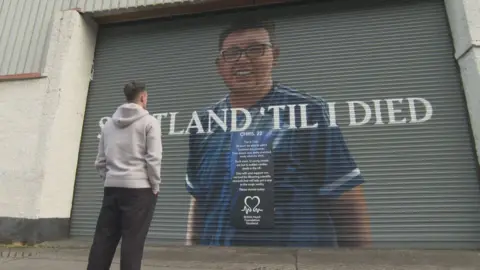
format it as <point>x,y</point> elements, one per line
<point>246,60</point>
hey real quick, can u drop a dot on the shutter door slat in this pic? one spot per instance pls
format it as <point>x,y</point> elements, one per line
<point>421,185</point>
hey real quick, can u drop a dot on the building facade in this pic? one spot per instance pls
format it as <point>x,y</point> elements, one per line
<point>368,137</point>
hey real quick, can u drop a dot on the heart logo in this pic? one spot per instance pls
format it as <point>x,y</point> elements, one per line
<point>250,199</point>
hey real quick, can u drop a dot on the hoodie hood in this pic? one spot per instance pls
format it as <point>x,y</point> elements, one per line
<point>128,113</point>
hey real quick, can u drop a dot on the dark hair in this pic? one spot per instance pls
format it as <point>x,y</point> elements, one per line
<point>133,89</point>
<point>248,23</point>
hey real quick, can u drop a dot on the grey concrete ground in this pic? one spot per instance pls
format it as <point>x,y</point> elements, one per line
<point>73,256</point>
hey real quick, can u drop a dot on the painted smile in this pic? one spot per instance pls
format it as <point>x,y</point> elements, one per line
<point>242,72</point>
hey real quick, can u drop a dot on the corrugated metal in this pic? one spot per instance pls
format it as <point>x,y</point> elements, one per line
<point>420,179</point>
<point>24,27</point>
<point>106,5</point>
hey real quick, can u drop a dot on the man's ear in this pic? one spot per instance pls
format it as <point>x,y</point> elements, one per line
<point>276,55</point>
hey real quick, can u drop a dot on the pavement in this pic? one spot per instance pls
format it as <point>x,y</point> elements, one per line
<point>72,255</point>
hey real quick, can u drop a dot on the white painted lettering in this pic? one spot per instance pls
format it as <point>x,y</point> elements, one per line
<point>172,125</point>
<point>159,117</point>
<point>415,105</point>
<point>195,119</point>
<point>413,113</point>
<point>332,114</point>
<point>291,114</point>
<point>216,119</point>
<point>276,115</point>
<point>304,117</point>
<point>392,111</point>
<point>248,119</point>
<point>378,111</point>
<point>353,118</point>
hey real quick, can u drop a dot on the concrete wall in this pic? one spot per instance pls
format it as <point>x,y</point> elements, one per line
<point>21,104</point>
<point>464,19</point>
<point>42,123</point>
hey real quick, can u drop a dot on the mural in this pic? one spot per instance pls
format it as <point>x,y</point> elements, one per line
<point>267,163</point>
<point>273,170</point>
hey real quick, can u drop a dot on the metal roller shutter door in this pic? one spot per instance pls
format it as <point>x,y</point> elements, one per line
<point>420,179</point>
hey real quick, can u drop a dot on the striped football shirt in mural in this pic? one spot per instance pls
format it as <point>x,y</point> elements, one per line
<point>312,166</point>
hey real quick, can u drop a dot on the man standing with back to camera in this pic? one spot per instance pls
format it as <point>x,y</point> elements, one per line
<point>128,161</point>
<point>318,200</point>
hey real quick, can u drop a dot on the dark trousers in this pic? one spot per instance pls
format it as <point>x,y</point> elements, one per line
<point>126,214</point>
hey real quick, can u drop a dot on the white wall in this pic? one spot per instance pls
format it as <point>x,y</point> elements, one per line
<point>464,19</point>
<point>42,123</point>
<point>21,163</point>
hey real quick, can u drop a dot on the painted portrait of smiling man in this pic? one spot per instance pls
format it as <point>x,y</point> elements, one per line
<point>277,174</point>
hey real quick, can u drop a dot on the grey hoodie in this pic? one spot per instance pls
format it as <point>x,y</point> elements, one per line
<point>130,149</point>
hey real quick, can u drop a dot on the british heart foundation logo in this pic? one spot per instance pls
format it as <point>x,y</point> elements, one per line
<point>251,205</point>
